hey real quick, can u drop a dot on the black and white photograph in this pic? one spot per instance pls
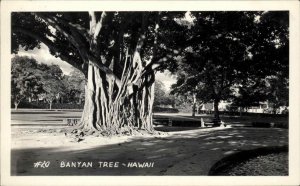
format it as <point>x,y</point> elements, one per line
<point>150,92</point>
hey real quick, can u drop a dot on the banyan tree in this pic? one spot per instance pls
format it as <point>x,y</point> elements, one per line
<point>119,53</point>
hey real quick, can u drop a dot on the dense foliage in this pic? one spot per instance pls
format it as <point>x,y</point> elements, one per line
<point>229,56</point>
<point>38,82</point>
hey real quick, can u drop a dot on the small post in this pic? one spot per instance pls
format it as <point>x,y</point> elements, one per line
<point>170,122</point>
<point>202,122</point>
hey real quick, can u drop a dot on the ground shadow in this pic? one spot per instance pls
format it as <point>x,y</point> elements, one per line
<point>176,129</point>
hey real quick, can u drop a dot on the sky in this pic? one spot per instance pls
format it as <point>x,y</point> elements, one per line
<point>43,55</point>
<point>166,78</point>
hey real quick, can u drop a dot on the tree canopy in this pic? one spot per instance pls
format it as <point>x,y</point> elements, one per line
<point>119,53</point>
<point>70,36</point>
<point>25,79</point>
<point>226,51</point>
<point>30,79</point>
<point>75,85</point>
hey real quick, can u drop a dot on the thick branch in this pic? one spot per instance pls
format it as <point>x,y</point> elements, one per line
<point>154,48</point>
<point>74,27</point>
<point>98,25</point>
<point>140,41</point>
<point>76,41</point>
<point>81,48</point>
<point>137,60</point>
<point>185,82</point>
<point>47,42</point>
<point>149,65</point>
<point>95,27</point>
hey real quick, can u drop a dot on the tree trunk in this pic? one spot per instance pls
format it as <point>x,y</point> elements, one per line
<point>50,105</point>
<point>198,108</point>
<point>111,110</point>
<point>216,119</point>
<point>115,102</point>
<point>194,105</point>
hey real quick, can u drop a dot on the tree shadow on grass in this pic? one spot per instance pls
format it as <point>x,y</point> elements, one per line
<point>175,129</point>
<point>171,155</point>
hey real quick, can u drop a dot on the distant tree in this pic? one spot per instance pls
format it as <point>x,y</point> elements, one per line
<point>273,89</point>
<point>52,88</point>
<point>54,71</point>
<point>25,81</point>
<point>250,94</point>
<point>185,102</point>
<point>53,85</point>
<point>32,80</point>
<point>25,85</point>
<point>277,88</point>
<point>162,96</point>
<point>160,93</point>
<point>75,86</point>
<point>190,89</point>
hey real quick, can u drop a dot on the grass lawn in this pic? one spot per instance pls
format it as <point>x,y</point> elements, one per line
<point>40,117</point>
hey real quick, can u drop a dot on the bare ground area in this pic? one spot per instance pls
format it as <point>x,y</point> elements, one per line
<point>182,151</point>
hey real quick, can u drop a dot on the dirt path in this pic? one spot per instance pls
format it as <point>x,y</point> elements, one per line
<point>183,152</point>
